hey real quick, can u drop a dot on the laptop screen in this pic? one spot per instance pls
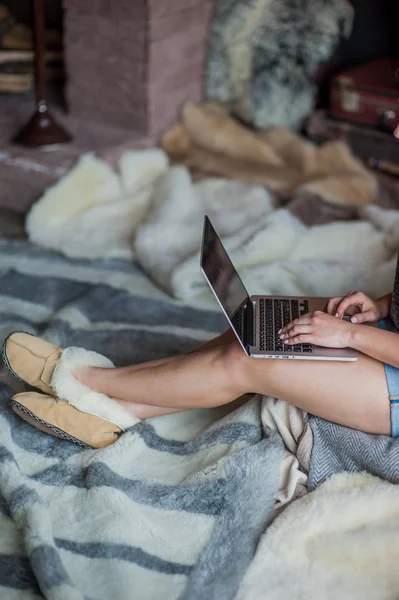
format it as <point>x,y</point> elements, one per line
<point>220,273</point>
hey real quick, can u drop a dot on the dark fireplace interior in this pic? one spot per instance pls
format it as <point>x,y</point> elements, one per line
<point>375,32</point>
<point>22,11</point>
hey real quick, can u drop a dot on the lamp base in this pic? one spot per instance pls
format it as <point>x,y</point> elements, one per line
<point>41,130</point>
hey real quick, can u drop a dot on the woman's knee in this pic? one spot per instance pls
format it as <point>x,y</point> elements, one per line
<point>237,368</point>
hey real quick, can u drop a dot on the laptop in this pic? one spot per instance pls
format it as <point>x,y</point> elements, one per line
<point>256,320</point>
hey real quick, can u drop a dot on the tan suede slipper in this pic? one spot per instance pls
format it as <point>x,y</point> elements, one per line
<point>31,359</point>
<point>61,419</point>
<point>67,408</point>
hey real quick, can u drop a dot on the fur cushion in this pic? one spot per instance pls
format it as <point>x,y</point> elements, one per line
<point>263,54</point>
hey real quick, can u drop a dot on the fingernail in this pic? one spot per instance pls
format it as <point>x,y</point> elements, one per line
<point>281,337</point>
<point>336,314</point>
<point>354,320</point>
<point>279,331</point>
<point>286,341</point>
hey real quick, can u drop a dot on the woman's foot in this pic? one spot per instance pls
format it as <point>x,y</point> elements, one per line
<point>66,408</point>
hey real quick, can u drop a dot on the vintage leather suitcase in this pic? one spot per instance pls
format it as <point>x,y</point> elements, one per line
<point>367,94</point>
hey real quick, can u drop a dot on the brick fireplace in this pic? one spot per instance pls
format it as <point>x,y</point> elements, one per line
<point>132,63</point>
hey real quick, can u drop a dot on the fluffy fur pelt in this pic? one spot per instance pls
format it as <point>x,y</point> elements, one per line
<point>210,142</point>
<point>152,212</point>
<point>262,55</point>
<point>93,211</point>
<point>160,227</point>
<point>340,541</point>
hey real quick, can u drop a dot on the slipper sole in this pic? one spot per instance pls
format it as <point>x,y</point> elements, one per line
<point>28,415</point>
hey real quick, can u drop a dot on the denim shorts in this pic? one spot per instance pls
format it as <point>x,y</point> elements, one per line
<point>392,375</point>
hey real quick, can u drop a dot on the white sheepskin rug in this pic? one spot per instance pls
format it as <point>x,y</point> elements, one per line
<point>93,211</point>
<point>340,542</point>
<point>153,213</point>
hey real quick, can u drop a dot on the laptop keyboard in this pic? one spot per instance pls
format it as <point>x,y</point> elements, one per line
<point>237,321</point>
<point>275,314</point>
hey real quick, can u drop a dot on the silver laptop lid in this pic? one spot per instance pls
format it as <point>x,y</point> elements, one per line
<point>222,277</point>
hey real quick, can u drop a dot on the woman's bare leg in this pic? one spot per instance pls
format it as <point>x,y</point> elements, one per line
<point>227,337</point>
<point>224,339</point>
<point>146,411</point>
<point>353,394</point>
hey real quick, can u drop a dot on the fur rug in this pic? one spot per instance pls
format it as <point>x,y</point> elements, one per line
<point>211,143</point>
<point>273,250</point>
<point>93,211</point>
<point>153,213</point>
<point>263,54</point>
<point>337,542</point>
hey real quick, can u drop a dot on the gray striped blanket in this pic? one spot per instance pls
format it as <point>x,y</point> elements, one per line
<point>176,507</point>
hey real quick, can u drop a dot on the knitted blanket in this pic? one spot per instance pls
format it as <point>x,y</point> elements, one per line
<point>174,508</point>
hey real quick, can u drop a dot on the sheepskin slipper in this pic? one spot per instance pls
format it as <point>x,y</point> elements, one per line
<point>49,369</point>
<point>31,359</point>
<point>62,420</point>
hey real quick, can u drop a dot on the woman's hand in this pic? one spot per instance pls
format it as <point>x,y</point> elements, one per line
<point>362,308</point>
<point>318,328</point>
